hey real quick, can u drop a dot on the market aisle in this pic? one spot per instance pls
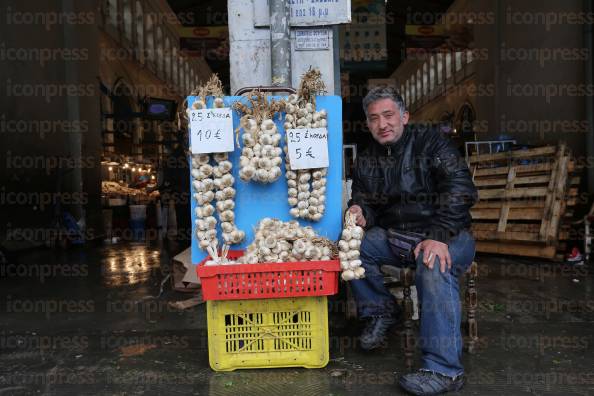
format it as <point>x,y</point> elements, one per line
<point>84,322</point>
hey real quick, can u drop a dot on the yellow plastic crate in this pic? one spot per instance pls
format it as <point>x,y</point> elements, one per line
<point>267,333</point>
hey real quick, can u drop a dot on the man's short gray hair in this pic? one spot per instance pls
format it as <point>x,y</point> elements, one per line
<point>379,93</point>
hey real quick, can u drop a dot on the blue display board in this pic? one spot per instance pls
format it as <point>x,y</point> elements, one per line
<point>255,201</point>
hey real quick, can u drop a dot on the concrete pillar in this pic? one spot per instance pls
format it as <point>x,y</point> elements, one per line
<point>250,51</point>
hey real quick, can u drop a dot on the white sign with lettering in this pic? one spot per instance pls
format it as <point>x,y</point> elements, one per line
<point>308,148</point>
<point>312,39</point>
<point>307,12</point>
<point>211,131</point>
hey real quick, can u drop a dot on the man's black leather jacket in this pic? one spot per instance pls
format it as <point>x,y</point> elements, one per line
<point>420,183</point>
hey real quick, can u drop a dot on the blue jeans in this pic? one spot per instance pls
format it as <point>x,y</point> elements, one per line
<point>439,295</point>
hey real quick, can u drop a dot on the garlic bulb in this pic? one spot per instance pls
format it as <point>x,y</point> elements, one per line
<point>354,244</point>
<point>278,241</point>
<point>219,103</point>
<point>199,104</point>
<point>227,227</point>
<point>352,255</point>
<point>349,246</point>
<point>359,272</point>
<point>349,275</point>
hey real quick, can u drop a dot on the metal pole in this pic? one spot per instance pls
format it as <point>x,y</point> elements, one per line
<point>280,42</point>
<point>336,61</point>
<point>589,99</point>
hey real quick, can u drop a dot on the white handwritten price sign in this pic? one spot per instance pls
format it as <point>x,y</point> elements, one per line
<point>211,131</point>
<point>308,148</point>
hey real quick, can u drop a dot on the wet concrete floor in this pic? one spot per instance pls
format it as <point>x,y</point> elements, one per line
<point>85,322</point>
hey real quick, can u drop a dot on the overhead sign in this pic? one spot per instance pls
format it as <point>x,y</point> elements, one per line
<point>204,32</point>
<point>210,42</point>
<point>307,12</point>
<point>211,131</point>
<point>312,39</point>
<point>425,30</point>
<point>308,148</point>
<point>425,36</point>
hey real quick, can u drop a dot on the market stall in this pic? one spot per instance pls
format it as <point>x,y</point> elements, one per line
<point>266,213</point>
<point>129,196</point>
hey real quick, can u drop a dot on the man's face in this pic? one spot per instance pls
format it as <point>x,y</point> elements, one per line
<point>384,121</point>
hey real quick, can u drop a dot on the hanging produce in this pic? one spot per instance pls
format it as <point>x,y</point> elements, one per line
<point>203,185</point>
<point>349,249</point>
<point>224,181</point>
<point>260,155</point>
<point>306,187</point>
<point>213,183</point>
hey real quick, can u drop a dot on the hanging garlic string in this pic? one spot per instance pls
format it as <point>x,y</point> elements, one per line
<point>203,185</point>
<point>225,193</point>
<point>225,197</point>
<point>349,249</point>
<point>307,187</point>
<point>208,178</point>
<point>261,155</point>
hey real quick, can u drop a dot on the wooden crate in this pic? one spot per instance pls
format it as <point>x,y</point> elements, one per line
<point>523,200</point>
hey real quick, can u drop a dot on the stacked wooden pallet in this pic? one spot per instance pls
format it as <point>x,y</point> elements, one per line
<point>524,197</point>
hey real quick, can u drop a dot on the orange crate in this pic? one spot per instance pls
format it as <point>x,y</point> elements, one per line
<point>268,280</point>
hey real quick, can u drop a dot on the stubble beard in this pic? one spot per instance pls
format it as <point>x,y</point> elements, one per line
<point>396,138</point>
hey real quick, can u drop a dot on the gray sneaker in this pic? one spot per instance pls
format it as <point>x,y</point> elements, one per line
<point>426,383</point>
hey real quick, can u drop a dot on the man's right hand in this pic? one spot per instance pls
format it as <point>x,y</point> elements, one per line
<point>358,212</point>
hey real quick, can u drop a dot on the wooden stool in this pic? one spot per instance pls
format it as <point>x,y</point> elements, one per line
<point>406,278</point>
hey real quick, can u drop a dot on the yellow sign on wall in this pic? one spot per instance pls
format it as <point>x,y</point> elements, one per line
<point>425,30</point>
<point>207,32</point>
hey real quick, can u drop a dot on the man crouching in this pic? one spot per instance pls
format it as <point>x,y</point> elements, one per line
<point>412,183</point>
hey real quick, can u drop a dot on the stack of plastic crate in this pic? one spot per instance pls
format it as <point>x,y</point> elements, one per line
<point>268,314</point>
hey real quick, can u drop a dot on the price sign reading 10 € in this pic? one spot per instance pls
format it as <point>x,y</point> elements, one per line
<point>308,148</point>
<point>211,131</point>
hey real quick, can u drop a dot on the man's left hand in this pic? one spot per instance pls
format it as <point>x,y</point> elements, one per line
<point>431,250</point>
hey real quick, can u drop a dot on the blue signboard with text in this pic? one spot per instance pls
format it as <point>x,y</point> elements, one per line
<point>255,201</point>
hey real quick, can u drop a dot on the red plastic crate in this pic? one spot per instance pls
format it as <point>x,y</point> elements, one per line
<point>268,280</point>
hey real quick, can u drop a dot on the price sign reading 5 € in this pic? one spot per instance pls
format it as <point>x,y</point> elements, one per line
<point>211,131</point>
<point>308,148</point>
